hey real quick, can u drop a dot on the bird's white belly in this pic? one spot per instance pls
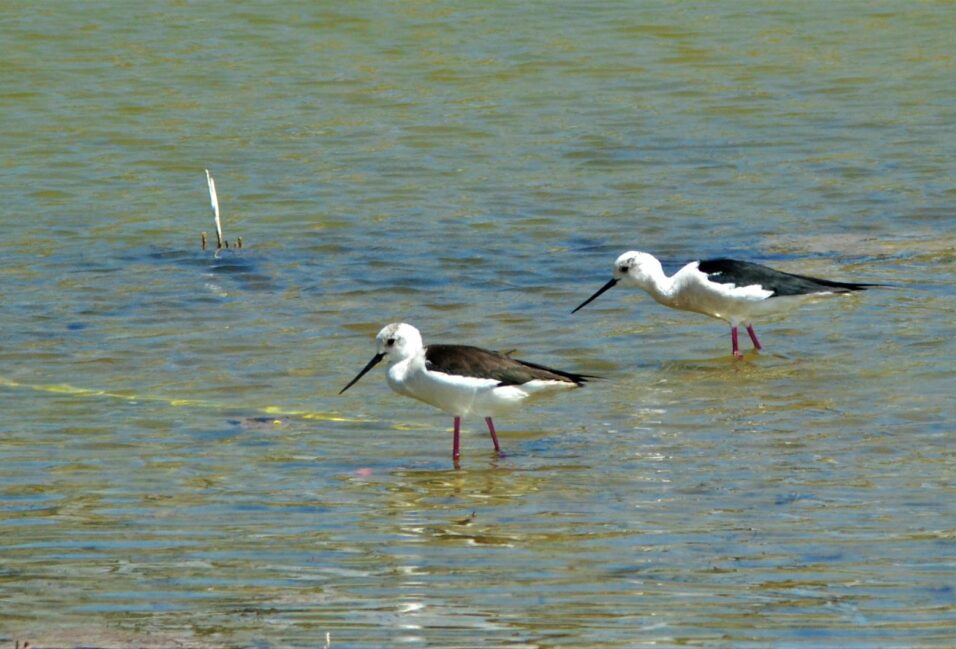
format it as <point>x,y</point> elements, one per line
<point>733,304</point>
<point>456,395</point>
<point>462,395</point>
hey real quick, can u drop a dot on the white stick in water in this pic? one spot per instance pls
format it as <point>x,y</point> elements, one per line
<point>215,207</point>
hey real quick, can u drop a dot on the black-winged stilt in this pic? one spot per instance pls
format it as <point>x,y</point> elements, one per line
<point>726,289</point>
<point>460,379</point>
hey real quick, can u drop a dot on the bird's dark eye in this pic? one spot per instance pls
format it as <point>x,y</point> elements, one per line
<point>390,342</point>
<point>624,269</point>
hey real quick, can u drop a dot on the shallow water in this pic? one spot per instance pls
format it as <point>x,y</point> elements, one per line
<point>179,470</point>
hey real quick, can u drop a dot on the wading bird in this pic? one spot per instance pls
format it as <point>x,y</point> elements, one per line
<point>726,289</point>
<point>461,380</point>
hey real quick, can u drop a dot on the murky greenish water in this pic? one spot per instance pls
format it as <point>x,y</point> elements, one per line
<point>178,470</point>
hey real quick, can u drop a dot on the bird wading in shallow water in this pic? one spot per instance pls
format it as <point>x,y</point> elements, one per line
<point>460,379</point>
<point>730,290</point>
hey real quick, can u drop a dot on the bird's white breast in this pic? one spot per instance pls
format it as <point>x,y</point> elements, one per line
<point>695,291</point>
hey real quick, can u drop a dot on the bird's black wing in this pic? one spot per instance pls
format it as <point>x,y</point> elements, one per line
<point>745,273</point>
<point>464,360</point>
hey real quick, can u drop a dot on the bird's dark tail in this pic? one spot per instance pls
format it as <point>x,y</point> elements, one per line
<point>841,287</point>
<point>577,379</point>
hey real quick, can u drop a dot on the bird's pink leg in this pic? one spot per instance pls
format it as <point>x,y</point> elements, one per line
<point>753,337</point>
<point>734,342</point>
<point>494,437</point>
<point>456,443</point>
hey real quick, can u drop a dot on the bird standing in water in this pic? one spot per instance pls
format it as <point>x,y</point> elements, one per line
<point>460,379</point>
<point>726,289</point>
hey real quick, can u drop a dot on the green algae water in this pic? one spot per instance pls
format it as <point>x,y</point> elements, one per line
<point>178,469</point>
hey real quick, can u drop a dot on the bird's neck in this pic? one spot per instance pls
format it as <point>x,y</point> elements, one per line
<point>402,373</point>
<point>659,286</point>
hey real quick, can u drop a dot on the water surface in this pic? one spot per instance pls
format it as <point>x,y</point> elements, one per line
<point>179,470</point>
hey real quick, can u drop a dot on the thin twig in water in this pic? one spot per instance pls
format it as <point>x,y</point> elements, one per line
<point>214,201</point>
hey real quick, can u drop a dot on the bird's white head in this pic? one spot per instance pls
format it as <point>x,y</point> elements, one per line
<point>638,269</point>
<point>634,269</point>
<point>398,341</point>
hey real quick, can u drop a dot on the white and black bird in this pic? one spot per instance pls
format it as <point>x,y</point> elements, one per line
<point>460,379</point>
<point>727,289</point>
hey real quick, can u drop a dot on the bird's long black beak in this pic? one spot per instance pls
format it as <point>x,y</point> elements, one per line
<point>372,363</point>
<point>604,288</point>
